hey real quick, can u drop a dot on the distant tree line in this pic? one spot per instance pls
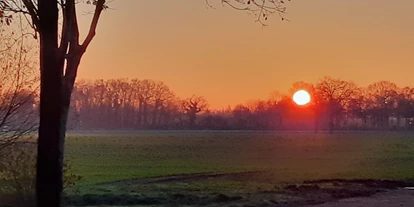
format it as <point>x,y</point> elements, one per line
<point>122,104</point>
<point>132,104</point>
<point>336,105</point>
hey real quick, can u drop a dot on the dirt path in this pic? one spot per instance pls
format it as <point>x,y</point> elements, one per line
<point>179,189</point>
<point>393,198</point>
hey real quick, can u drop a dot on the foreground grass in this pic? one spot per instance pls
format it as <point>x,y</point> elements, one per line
<point>274,158</point>
<point>291,157</point>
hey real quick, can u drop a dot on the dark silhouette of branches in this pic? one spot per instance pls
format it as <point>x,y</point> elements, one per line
<point>336,94</point>
<point>18,84</point>
<point>193,106</point>
<point>262,9</point>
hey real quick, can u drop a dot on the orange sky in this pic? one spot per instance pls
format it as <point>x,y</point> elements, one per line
<point>225,56</point>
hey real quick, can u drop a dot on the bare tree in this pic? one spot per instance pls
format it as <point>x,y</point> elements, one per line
<point>337,94</point>
<point>382,97</point>
<point>301,85</point>
<point>18,85</point>
<point>193,106</point>
<point>316,102</point>
<point>123,104</point>
<point>358,106</point>
<point>59,61</point>
<point>405,104</point>
<point>274,97</point>
<point>162,96</point>
<point>145,89</point>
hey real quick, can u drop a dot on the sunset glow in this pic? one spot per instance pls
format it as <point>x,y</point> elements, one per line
<point>190,45</point>
<point>152,100</point>
<point>301,97</point>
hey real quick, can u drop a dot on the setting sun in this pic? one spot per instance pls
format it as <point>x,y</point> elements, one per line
<point>301,97</point>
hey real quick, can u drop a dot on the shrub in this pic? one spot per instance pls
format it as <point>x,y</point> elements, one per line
<point>18,175</point>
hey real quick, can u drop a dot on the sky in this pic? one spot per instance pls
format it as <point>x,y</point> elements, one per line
<point>227,57</point>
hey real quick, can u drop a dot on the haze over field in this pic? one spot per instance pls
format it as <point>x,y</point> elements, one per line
<point>217,52</point>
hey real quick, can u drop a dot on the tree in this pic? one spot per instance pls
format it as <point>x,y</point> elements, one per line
<point>315,103</point>
<point>405,104</point>
<point>59,61</point>
<point>274,110</point>
<point>242,117</point>
<point>145,96</point>
<point>193,106</point>
<point>337,94</point>
<point>18,85</point>
<point>301,85</point>
<point>358,107</point>
<point>162,96</point>
<point>122,104</point>
<point>382,97</point>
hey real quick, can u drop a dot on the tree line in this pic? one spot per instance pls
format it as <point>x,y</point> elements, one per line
<point>122,104</point>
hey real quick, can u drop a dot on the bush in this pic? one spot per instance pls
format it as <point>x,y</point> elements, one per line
<point>18,175</point>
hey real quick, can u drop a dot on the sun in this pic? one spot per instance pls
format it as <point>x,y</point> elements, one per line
<point>301,97</point>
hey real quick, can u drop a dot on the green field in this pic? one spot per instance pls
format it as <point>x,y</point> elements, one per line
<point>230,163</point>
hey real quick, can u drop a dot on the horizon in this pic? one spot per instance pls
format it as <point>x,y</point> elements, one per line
<point>272,95</point>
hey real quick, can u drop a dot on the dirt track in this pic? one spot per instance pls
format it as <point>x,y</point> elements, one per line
<point>321,193</point>
<point>393,198</point>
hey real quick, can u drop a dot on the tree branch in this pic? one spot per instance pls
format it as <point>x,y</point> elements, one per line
<point>92,31</point>
<point>33,12</point>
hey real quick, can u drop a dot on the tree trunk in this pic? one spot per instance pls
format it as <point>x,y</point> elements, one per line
<point>398,122</point>
<point>49,181</point>
<point>407,126</point>
<point>145,115</point>
<point>331,123</point>
<point>141,113</point>
<point>191,119</point>
<point>55,90</point>
<point>154,118</point>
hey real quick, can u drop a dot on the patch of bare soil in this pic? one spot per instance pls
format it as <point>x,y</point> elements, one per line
<point>337,191</point>
<point>393,198</point>
<point>318,193</point>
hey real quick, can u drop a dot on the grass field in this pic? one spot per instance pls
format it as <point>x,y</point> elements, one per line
<point>229,164</point>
